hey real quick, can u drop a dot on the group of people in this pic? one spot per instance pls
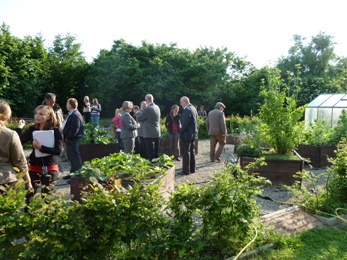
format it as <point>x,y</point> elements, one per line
<point>47,135</point>
<point>140,133</point>
<point>91,111</point>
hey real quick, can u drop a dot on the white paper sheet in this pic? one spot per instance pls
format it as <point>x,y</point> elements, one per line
<point>46,138</point>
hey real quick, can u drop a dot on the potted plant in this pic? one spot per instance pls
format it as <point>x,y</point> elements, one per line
<point>96,143</point>
<point>280,128</point>
<point>125,169</point>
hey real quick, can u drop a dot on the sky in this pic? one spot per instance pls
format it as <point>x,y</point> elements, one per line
<point>258,31</point>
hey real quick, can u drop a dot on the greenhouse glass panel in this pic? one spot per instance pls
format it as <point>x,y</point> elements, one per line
<point>327,107</point>
<point>326,115</point>
<point>336,114</point>
<point>311,114</point>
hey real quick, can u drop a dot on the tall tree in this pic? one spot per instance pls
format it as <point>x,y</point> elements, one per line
<point>22,71</point>
<point>67,69</point>
<point>128,73</point>
<point>317,60</point>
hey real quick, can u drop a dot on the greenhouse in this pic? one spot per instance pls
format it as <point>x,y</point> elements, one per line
<point>326,107</point>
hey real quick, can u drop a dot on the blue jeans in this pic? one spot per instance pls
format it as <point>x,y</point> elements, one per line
<point>73,154</point>
<point>95,119</point>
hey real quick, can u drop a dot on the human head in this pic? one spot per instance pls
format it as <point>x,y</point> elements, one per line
<point>50,99</point>
<point>49,113</point>
<point>175,109</point>
<point>5,112</point>
<point>127,106</point>
<point>71,104</point>
<point>184,101</point>
<point>149,98</point>
<point>135,108</point>
<point>143,104</point>
<point>220,106</point>
<point>95,101</point>
<point>86,99</point>
<point>201,107</point>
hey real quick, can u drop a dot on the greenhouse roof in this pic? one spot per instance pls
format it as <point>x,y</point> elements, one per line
<point>329,100</point>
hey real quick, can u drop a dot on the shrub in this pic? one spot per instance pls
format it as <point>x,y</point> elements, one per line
<point>93,134</point>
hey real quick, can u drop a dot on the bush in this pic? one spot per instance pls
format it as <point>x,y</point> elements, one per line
<point>214,221</point>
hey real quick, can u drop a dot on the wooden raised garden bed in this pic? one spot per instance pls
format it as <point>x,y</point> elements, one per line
<point>91,151</point>
<point>278,171</point>
<point>318,155</point>
<point>77,184</point>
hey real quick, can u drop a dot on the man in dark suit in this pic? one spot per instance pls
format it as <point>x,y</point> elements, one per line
<point>73,132</point>
<point>150,123</point>
<point>188,134</point>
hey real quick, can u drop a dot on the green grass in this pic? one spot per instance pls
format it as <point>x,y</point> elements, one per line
<point>318,243</point>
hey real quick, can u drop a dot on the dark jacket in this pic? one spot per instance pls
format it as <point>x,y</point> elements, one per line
<point>56,150</point>
<point>73,127</point>
<point>170,119</point>
<point>189,123</point>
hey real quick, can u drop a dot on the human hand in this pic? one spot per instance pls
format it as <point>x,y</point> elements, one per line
<point>21,123</point>
<point>36,144</point>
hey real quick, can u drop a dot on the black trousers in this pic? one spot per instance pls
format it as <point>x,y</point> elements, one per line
<point>188,156</point>
<point>152,148</point>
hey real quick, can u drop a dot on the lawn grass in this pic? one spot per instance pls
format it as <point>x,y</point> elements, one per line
<point>317,243</point>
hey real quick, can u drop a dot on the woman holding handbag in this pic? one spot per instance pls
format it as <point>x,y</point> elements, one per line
<point>43,163</point>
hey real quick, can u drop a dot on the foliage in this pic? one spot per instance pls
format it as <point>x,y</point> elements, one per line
<point>237,124</point>
<point>163,70</point>
<point>124,166</point>
<point>93,134</point>
<point>23,73</point>
<point>318,133</point>
<point>317,243</point>
<point>280,119</point>
<point>337,186</point>
<point>202,130</point>
<point>67,69</point>
<point>324,199</point>
<point>316,60</point>
<point>340,129</point>
<point>248,150</point>
<point>197,222</point>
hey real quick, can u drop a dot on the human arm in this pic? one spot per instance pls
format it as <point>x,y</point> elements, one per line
<point>18,159</point>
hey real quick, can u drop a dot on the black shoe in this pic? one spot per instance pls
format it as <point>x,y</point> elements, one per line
<point>182,173</point>
<point>67,177</point>
<point>178,159</point>
<point>218,160</point>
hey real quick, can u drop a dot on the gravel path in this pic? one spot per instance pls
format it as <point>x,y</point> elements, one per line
<point>203,174</point>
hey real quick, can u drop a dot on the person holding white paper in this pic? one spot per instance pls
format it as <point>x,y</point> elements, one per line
<point>47,142</point>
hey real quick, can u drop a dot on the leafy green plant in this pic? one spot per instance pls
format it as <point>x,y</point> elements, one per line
<point>93,134</point>
<point>247,150</point>
<point>318,133</point>
<point>324,199</point>
<point>340,129</point>
<point>124,166</point>
<point>201,222</point>
<point>281,121</point>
